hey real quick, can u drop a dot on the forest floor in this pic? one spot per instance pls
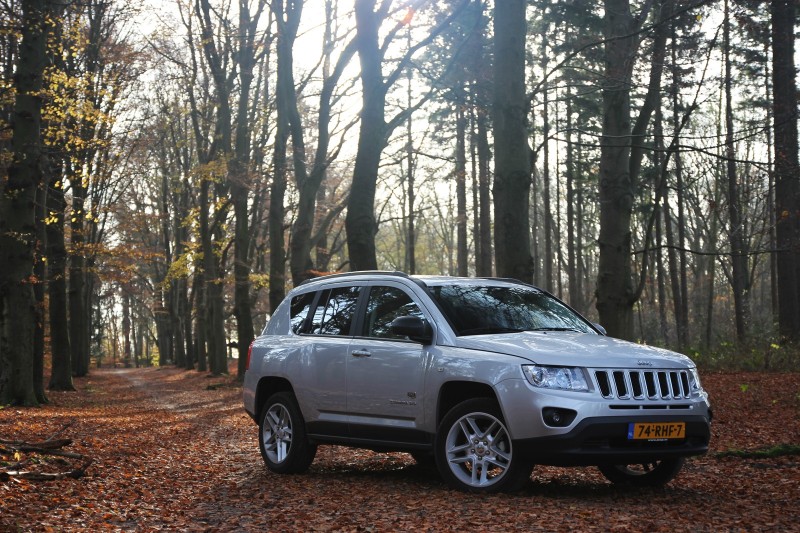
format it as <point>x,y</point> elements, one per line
<point>175,451</point>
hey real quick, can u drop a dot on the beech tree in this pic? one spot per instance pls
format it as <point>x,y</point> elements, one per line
<point>18,235</point>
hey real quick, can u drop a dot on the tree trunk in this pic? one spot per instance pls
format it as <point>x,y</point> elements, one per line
<point>621,152</point>
<point>61,373</point>
<point>512,154</point>
<point>615,290</point>
<point>736,237</point>
<point>17,210</point>
<point>484,262</point>
<point>575,295</point>
<point>360,222</point>
<point>547,206</point>
<point>661,275</point>
<point>78,328</point>
<point>277,261</point>
<point>309,181</point>
<point>682,311</point>
<point>462,252</point>
<point>411,235</point>
<point>787,174</point>
<point>199,291</point>
<point>39,277</point>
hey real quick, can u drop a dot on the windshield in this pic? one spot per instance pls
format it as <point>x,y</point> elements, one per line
<point>476,310</point>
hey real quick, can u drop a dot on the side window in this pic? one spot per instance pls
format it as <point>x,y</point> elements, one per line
<point>301,305</point>
<point>384,305</point>
<point>335,310</point>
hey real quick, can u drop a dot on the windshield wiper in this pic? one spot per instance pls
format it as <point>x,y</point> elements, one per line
<point>555,329</point>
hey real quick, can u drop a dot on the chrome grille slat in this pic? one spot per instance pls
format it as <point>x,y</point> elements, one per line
<point>647,385</point>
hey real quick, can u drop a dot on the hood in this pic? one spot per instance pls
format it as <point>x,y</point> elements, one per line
<point>575,349</point>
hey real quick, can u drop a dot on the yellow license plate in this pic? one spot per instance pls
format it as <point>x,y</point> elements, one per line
<point>656,430</point>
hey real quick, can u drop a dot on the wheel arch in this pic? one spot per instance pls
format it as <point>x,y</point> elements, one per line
<point>267,386</point>
<point>453,393</point>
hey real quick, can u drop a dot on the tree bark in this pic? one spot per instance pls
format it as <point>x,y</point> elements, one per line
<point>61,373</point>
<point>17,212</point>
<point>512,155</point>
<point>787,173</point>
<point>615,290</point>
<point>360,222</point>
<point>283,96</point>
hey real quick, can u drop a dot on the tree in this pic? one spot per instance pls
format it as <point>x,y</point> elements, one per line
<point>17,209</point>
<point>375,130</point>
<point>309,176</point>
<point>739,272</point>
<point>512,154</point>
<point>787,172</point>
<point>621,151</point>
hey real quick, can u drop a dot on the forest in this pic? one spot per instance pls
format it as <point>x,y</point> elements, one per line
<point>170,169</point>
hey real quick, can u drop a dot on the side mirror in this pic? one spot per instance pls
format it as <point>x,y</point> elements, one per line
<point>413,327</point>
<point>600,328</point>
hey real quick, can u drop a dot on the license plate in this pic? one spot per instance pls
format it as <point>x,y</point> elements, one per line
<point>656,430</point>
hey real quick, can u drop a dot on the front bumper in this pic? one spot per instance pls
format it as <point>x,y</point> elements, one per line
<point>603,440</point>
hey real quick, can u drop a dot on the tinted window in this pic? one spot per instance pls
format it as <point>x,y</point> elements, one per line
<point>299,309</point>
<point>384,305</point>
<point>334,312</point>
<point>473,310</point>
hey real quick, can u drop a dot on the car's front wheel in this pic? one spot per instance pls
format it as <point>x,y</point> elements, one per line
<point>474,452</point>
<point>652,474</point>
<point>284,445</point>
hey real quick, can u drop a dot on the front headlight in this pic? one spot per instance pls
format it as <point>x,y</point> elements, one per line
<point>554,377</point>
<point>694,381</point>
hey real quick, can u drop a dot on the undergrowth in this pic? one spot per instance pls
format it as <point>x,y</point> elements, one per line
<point>780,450</point>
<point>758,356</point>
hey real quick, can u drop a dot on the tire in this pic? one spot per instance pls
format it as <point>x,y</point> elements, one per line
<point>474,452</point>
<point>282,438</point>
<point>653,474</point>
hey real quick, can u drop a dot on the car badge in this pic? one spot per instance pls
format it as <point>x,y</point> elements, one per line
<point>644,363</point>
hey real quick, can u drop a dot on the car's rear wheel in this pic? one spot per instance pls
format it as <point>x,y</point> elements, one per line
<point>474,452</point>
<point>651,474</point>
<point>284,445</point>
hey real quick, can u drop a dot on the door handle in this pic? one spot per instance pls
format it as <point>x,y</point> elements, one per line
<point>360,353</point>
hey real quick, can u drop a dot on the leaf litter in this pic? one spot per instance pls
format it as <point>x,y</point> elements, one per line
<point>173,450</point>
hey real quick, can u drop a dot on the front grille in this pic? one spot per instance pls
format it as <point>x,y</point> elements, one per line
<point>643,384</point>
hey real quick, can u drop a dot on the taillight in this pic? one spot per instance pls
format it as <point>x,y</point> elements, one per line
<point>249,353</point>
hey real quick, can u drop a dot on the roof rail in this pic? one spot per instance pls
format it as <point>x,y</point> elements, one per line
<point>356,273</point>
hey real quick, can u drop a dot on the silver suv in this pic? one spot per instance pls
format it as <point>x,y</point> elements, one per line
<point>484,377</point>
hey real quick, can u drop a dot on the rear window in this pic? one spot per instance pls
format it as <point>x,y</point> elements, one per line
<point>335,310</point>
<point>300,306</point>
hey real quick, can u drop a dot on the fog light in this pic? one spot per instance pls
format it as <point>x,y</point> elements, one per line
<point>557,417</point>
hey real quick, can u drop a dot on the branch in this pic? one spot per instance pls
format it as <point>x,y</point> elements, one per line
<point>49,447</point>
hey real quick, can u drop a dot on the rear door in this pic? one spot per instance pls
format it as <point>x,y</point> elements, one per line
<point>323,362</point>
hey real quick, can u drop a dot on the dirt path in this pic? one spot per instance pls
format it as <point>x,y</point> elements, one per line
<point>175,452</point>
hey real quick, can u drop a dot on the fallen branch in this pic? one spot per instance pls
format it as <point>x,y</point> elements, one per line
<point>16,451</point>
